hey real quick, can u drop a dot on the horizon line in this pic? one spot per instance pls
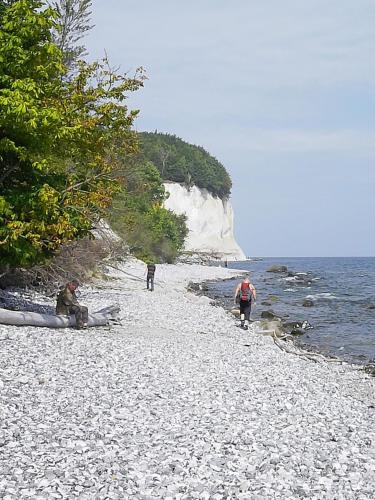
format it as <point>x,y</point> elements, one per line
<point>311,257</point>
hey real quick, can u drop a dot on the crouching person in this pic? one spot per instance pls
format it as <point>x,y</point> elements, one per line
<point>67,303</point>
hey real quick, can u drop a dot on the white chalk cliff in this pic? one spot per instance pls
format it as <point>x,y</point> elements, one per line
<point>209,220</point>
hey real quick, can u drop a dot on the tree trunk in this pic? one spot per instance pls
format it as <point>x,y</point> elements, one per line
<point>25,318</point>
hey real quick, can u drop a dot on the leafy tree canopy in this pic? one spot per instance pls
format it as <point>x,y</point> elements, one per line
<point>60,139</point>
<point>185,163</point>
<point>151,231</point>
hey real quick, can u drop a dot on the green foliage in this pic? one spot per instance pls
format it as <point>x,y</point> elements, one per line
<point>60,139</point>
<point>181,162</point>
<point>151,231</point>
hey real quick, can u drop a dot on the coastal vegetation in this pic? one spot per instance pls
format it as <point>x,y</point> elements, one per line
<point>185,163</point>
<point>60,137</point>
<point>69,155</point>
<point>137,214</point>
<point>152,232</point>
<point>66,140</point>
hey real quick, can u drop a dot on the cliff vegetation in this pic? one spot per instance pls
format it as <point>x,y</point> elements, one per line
<point>185,163</point>
<point>61,134</point>
<point>69,155</point>
<point>152,232</point>
<point>68,151</point>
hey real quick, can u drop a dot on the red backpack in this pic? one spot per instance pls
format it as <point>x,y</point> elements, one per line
<point>246,294</point>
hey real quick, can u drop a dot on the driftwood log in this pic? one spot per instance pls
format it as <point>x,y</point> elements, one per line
<point>26,318</point>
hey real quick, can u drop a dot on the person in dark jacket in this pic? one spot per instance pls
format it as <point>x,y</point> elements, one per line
<point>151,268</point>
<point>67,303</point>
<point>245,294</point>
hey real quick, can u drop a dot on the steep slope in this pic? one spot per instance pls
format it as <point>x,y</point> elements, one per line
<point>199,188</point>
<point>209,220</point>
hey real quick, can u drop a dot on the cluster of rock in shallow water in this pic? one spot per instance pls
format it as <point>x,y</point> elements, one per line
<point>177,403</point>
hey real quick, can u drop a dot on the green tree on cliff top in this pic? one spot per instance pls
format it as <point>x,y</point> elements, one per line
<point>185,163</point>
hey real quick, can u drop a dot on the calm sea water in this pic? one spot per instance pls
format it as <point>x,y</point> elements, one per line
<point>341,290</point>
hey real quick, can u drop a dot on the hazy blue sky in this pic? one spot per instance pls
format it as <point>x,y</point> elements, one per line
<point>281,92</point>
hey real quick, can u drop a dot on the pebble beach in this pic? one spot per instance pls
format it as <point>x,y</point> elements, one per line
<point>176,402</point>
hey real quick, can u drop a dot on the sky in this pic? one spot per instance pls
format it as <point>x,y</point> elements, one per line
<point>281,92</point>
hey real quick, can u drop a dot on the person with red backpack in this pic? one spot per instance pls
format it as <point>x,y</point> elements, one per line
<point>246,295</point>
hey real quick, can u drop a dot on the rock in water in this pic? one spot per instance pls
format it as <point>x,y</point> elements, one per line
<point>297,331</point>
<point>277,269</point>
<point>308,303</point>
<point>268,314</point>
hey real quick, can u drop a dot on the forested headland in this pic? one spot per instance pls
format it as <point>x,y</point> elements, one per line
<point>137,212</point>
<point>69,155</point>
<point>185,163</point>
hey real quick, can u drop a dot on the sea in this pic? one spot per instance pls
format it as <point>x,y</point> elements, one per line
<point>338,289</point>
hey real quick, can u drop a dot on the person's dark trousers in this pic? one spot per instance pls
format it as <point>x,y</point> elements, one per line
<point>150,283</point>
<point>81,313</point>
<point>245,310</point>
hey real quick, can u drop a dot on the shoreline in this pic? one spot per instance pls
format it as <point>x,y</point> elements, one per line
<point>178,403</point>
<point>311,336</point>
<point>295,340</point>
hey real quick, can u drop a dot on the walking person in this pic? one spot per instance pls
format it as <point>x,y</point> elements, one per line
<point>151,268</point>
<point>67,303</point>
<point>246,295</point>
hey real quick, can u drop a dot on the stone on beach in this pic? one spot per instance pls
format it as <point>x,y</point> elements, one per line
<point>236,312</point>
<point>172,404</point>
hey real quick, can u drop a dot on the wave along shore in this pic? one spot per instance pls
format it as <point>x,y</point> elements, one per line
<point>176,403</point>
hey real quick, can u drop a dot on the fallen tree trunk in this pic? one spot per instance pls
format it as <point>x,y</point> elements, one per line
<point>26,318</point>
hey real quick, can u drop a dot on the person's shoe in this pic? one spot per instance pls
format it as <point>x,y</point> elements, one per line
<point>245,327</point>
<point>84,326</point>
<point>242,324</point>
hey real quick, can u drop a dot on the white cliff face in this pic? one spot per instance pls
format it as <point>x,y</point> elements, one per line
<point>209,219</point>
